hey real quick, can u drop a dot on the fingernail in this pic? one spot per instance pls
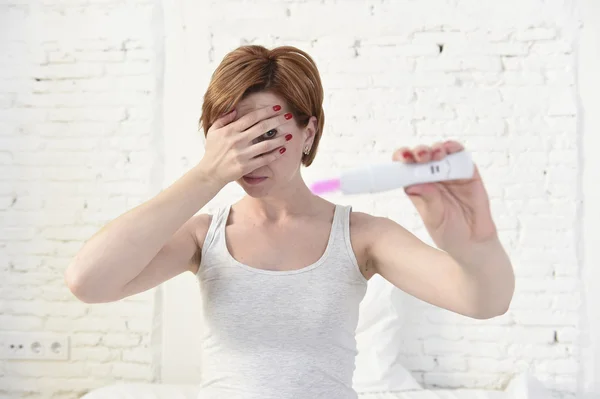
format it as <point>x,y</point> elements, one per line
<point>282,150</point>
<point>437,151</point>
<point>288,115</point>
<point>422,153</point>
<point>276,108</point>
<point>288,137</point>
<point>407,155</point>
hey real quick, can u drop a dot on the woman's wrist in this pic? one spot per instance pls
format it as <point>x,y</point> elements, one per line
<point>207,178</point>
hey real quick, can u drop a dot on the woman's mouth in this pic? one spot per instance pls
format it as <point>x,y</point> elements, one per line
<point>253,180</point>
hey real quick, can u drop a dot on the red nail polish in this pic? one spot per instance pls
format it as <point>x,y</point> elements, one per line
<point>276,108</point>
<point>437,151</point>
<point>422,153</point>
<point>288,137</point>
<point>288,115</point>
<point>282,150</point>
<point>407,155</point>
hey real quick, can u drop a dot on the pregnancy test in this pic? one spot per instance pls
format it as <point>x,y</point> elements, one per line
<point>392,175</point>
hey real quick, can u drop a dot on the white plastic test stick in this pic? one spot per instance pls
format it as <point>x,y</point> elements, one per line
<point>391,175</point>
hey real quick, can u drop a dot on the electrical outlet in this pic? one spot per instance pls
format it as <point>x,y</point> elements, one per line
<point>34,346</point>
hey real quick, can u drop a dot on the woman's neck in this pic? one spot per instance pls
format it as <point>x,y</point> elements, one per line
<point>292,200</point>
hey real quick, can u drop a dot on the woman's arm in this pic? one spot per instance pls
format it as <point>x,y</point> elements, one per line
<point>471,273</point>
<point>145,246</point>
<point>158,239</point>
<point>478,283</point>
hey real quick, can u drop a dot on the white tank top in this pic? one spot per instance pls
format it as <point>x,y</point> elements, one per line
<point>279,334</point>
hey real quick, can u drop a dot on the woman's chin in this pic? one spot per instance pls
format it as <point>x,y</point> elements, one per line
<point>255,189</point>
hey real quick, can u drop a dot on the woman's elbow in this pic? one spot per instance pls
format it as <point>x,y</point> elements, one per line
<point>491,312</point>
<point>76,287</point>
<point>498,305</point>
<point>86,291</point>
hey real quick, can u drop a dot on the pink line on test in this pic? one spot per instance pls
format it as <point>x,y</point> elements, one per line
<point>325,186</point>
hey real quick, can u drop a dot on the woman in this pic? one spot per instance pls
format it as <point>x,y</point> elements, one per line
<point>283,271</point>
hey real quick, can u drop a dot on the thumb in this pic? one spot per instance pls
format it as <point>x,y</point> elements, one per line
<point>427,200</point>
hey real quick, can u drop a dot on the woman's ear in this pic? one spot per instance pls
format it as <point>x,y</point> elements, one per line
<point>311,128</point>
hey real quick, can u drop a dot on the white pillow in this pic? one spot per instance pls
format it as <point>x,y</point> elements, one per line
<point>378,337</point>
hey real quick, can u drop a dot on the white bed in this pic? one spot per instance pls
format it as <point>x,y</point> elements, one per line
<point>522,387</point>
<point>149,391</point>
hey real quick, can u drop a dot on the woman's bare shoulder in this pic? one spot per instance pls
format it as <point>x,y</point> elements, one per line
<point>201,226</point>
<point>364,231</point>
<point>365,227</point>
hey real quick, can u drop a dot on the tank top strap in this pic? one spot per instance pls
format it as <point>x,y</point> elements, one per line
<point>343,225</point>
<point>219,219</point>
<point>343,242</point>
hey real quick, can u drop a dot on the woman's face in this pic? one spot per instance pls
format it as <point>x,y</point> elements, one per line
<point>285,169</point>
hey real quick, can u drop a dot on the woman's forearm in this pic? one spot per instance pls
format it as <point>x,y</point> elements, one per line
<point>491,273</point>
<point>120,250</point>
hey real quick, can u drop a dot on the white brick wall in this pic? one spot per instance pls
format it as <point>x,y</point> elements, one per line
<point>588,61</point>
<point>78,88</point>
<point>78,142</point>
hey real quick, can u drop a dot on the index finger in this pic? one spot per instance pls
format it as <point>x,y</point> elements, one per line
<point>252,118</point>
<point>452,146</point>
<point>223,120</point>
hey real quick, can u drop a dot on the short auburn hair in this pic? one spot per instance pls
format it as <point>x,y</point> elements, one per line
<point>285,71</point>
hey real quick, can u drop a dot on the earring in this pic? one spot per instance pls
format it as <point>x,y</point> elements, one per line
<point>306,150</point>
